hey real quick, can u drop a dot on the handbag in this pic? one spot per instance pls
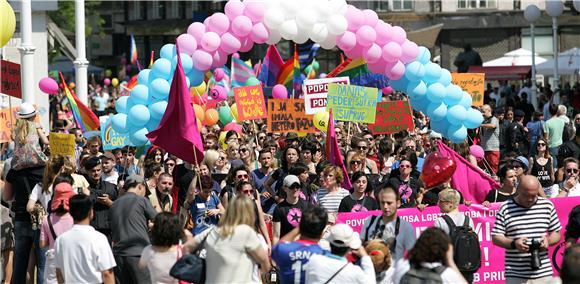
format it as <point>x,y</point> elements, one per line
<point>180,255</point>
<point>191,267</point>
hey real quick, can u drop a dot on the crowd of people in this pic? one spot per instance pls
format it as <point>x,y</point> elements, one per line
<point>263,205</point>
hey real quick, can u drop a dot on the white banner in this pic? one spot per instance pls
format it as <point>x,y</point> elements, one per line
<point>316,90</point>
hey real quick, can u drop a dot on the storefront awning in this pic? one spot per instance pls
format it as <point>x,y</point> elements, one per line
<point>502,73</point>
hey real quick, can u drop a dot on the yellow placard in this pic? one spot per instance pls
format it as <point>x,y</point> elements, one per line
<point>62,144</point>
<point>473,84</point>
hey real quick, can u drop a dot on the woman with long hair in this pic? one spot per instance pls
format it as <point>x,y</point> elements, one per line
<point>248,156</point>
<point>508,178</point>
<point>154,155</point>
<point>27,138</point>
<point>359,200</point>
<point>233,246</point>
<point>222,165</point>
<point>542,166</point>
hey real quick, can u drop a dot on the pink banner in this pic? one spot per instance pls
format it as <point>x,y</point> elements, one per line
<point>492,268</point>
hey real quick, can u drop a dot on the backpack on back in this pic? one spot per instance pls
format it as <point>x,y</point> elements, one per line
<point>467,254</point>
<point>423,275</point>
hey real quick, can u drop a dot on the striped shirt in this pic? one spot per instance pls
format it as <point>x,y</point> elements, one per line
<point>331,201</point>
<point>515,221</point>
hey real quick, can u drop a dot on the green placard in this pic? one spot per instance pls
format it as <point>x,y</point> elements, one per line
<point>352,103</point>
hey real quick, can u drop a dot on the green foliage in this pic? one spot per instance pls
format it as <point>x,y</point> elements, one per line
<point>64,17</point>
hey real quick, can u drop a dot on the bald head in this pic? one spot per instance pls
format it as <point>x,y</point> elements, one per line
<point>528,190</point>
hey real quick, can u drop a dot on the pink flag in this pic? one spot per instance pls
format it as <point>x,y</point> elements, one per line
<point>333,152</point>
<point>471,181</point>
<point>177,132</point>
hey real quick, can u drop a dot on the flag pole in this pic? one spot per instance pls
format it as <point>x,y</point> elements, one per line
<point>348,137</point>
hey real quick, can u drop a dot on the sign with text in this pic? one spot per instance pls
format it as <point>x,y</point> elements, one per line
<point>10,83</point>
<point>287,115</point>
<point>352,103</point>
<point>111,138</point>
<point>316,90</point>
<point>7,118</point>
<point>472,83</point>
<point>250,102</point>
<point>393,117</point>
<point>62,144</point>
<point>492,267</point>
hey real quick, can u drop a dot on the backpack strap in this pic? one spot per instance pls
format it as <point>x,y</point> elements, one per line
<point>397,226</point>
<point>373,218</point>
<point>51,227</point>
<point>449,222</point>
<point>439,269</point>
<point>466,221</point>
<point>336,273</point>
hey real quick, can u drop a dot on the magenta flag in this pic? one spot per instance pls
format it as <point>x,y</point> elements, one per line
<point>471,181</point>
<point>177,132</point>
<point>333,152</point>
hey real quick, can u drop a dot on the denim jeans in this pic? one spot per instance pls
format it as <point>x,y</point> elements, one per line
<point>554,154</point>
<point>24,239</point>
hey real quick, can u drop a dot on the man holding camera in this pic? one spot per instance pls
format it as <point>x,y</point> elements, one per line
<point>526,226</point>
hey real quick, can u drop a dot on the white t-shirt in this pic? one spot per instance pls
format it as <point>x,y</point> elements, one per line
<point>458,219</point>
<point>405,238</point>
<point>38,195</point>
<point>321,267</point>
<point>112,177</point>
<point>575,191</point>
<point>82,254</point>
<point>449,276</point>
<point>159,264</point>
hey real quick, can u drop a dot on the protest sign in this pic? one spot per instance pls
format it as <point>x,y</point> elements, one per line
<point>316,91</point>
<point>473,84</point>
<point>287,115</point>
<point>492,267</point>
<point>62,144</point>
<point>393,117</point>
<point>7,118</point>
<point>10,74</point>
<point>250,102</point>
<point>111,138</point>
<point>352,103</point>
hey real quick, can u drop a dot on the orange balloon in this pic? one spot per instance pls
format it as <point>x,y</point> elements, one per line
<point>199,113</point>
<point>199,126</point>
<point>211,117</point>
<point>71,85</point>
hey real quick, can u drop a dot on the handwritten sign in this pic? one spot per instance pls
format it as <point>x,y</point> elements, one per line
<point>393,117</point>
<point>473,84</point>
<point>287,115</point>
<point>111,138</point>
<point>10,83</point>
<point>250,102</point>
<point>352,103</point>
<point>6,123</point>
<point>62,144</point>
<point>316,90</point>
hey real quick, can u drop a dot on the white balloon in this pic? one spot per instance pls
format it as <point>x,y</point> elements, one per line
<point>289,30</point>
<point>301,37</point>
<point>338,6</point>
<point>306,19</point>
<point>337,24</point>
<point>576,4</point>
<point>554,8</point>
<point>273,18</point>
<point>323,9</point>
<point>329,42</point>
<point>289,8</point>
<point>319,32</point>
<point>274,37</point>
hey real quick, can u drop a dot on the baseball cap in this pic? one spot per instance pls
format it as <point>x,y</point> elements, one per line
<point>523,161</point>
<point>108,155</point>
<point>134,179</point>
<point>62,194</point>
<point>92,162</point>
<point>290,180</point>
<point>342,235</point>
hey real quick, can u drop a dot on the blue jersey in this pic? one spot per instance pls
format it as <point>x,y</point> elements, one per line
<point>291,258</point>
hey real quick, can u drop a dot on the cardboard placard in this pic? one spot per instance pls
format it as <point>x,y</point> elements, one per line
<point>472,83</point>
<point>316,91</point>
<point>62,144</point>
<point>287,115</point>
<point>393,117</point>
<point>111,138</point>
<point>10,75</point>
<point>6,124</point>
<point>352,103</point>
<point>250,103</point>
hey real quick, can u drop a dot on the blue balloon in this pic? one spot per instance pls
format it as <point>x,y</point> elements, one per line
<point>143,77</point>
<point>160,88</point>
<point>420,104</point>
<point>186,62</point>
<point>157,109</point>
<point>414,71</point>
<point>436,93</point>
<point>440,126</point>
<point>466,101</point>
<point>152,124</point>
<point>399,85</point>
<point>139,115</point>
<point>432,72</point>
<point>119,123</point>
<point>424,55</point>
<point>162,68</point>
<point>416,89</point>
<point>195,76</point>
<point>474,119</point>
<point>456,115</point>
<point>454,95</point>
<point>138,137</point>
<point>437,111</point>
<point>457,133</point>
<point>140,94</point>
<point>121,104</point>
<point>168,51</point>
<point>445,78</point>
<point>253,81</point>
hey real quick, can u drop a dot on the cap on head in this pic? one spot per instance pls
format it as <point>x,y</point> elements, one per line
<point>342,235</point>
<point>26,110</point>
<point>62,194</point>
<point>291,180</point>
<point>92,162</point>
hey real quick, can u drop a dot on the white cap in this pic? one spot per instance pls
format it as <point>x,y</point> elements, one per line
<point>27,110</point>
<point>342,235</point>
<point>290,180</point>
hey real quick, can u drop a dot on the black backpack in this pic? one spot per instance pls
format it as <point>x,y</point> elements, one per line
<point>467,254</point>
<point>422,275</point>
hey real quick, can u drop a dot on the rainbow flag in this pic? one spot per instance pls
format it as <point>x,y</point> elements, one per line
<point>134,54</point>
<point>297,80</point>
<point>151,59</point>
<point>286,72</point>
<point>271,66</point>
<point>359,74</point>
<point>85,118</point>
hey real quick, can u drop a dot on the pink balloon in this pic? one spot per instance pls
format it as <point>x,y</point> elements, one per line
<point>219,59</point>
<point>476,151</point>
<point>234,8</point>
<point>187,43</point>
<point>197,30</point>
<point>202,60</point>
<point>410,51</point>
<point>279,92</point>
<point>387,90</point>
<point>48,85</point>
<point>218,74</point>
<point>355,18</point>
<point>200,99</point>
<point>373,53</point>
<point>233,126</point>
<point>398,34</point>
<point>218,93</point>
<point>259,33</point>
<point>236,55</point>
<point>391,52</point>
<point>383,32</point>
<point>219,23</point>
<point>347,41</point>
<point>366,35</point>
<point>255,10</point>
<point>356,52</point>
<point>370,17</point>
<point>241,26</point>
<point>247,45</point>
<point>397,71</point>
<point>107,81</point>
<point>230,43</point>
<point>210,41</point>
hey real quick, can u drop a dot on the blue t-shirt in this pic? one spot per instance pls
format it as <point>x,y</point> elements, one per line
<point>198,213</point>
<point>292,257</point>
<point>259,179</point>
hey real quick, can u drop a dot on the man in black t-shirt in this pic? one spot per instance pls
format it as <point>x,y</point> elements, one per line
<point>288,212</point>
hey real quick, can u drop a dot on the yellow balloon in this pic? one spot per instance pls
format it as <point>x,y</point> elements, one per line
<point>7,22</point>
<point>199,112</point>
<point>321,120</point>
<point>200,89</point>
<point>115,82</point>
<point>222,140</point>
<point>234,109</point>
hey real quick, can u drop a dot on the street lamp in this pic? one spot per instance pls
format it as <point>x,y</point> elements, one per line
<point>554,8</point>
<point>532,14</point>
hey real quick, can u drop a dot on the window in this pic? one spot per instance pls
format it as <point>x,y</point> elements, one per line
<point>390,5</point>
<point>402,5</point>
<point>477,4</point>
<point>137,10</point>
<point>379,5</point>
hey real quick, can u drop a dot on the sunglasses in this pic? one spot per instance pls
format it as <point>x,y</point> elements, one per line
<point>405,166</point>
<point>362,147</point>
<point>249,191</point>
<point>262,137</point>
<point>355,162</point>
<point>517,166</point>
<point>572,171</point>
<point>542,144</point>
<point>170,164</point>
<point>370,138</point>
<point>242,176</point>
<point>295,186</point>
<point>222,158</point>
<point>243,150</point>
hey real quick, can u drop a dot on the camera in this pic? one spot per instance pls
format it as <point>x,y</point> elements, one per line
<point>534,249</point>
